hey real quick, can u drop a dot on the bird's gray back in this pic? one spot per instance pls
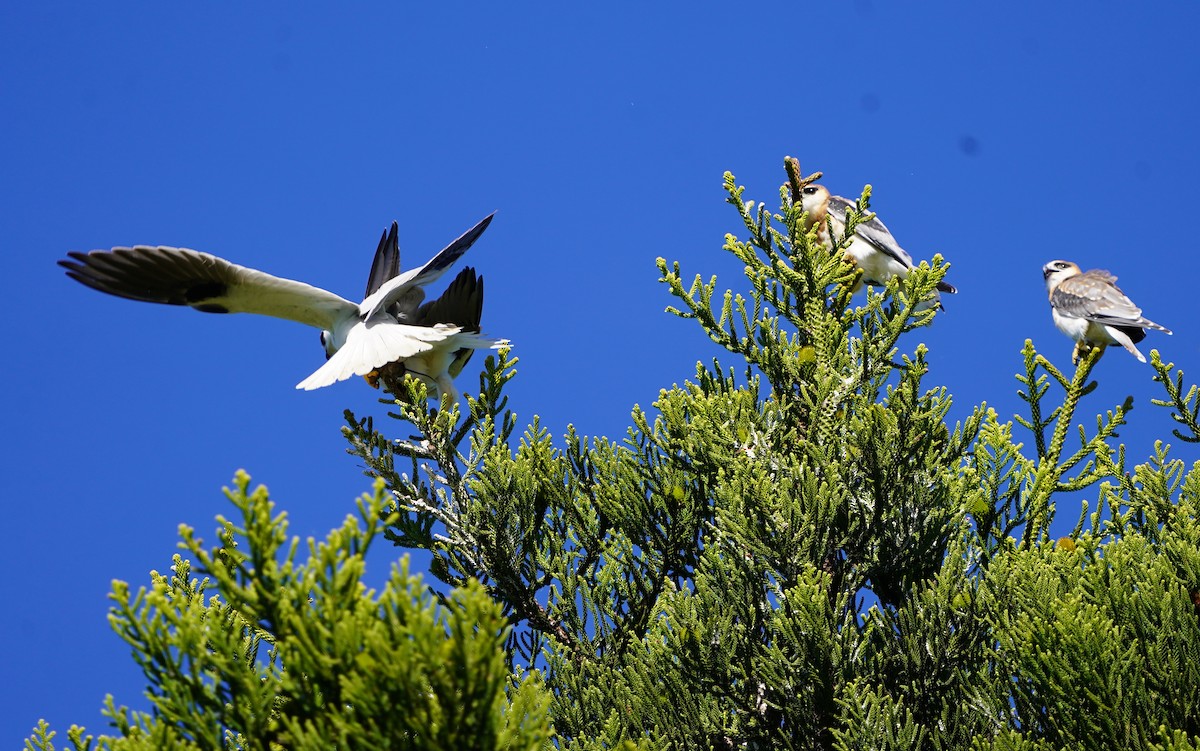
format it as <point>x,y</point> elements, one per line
<point>873,230</point>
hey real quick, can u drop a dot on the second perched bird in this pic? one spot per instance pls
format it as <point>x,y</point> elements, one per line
<point>358,337</point>
<point>873,249</point>
<point>1089,307</point>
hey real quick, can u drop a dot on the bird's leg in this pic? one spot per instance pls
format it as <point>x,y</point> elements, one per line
<point>391,376</point>
<point>1082,348</point>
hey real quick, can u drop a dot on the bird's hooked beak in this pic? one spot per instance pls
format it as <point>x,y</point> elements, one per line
<point>1057,267</point>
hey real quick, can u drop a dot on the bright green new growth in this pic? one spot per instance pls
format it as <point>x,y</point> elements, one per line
<point>265,652</point>
<point>808,556</point>
<point>796,552</point>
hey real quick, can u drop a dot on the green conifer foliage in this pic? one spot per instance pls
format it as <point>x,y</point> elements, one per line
<point>795,551</point>
<point>266,652</point>
<point>798,552</point>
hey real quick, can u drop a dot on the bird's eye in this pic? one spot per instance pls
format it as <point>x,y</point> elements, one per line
<point>809,190</point>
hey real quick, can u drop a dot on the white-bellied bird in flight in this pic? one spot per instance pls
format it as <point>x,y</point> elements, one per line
<point>461,304</point>
<point>390,326</point>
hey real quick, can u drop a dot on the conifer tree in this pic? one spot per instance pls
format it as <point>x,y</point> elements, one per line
<point>262,651</point>
<point>796,551</point>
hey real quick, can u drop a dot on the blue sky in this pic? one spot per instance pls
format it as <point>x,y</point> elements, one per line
<point>1001,137</point>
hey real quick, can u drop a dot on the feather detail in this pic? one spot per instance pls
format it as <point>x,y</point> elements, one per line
<point>372,345</point>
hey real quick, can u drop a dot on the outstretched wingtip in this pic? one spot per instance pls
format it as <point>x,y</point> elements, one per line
<point>480,226</point>
<point>386,263</point>
<point>388,292</point>
<point>452,252</point>
<point>71,263</point>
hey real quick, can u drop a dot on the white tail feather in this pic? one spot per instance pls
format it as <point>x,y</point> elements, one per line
<point>370,346</point>
<point>433,365</point>
<point>1121,338</point>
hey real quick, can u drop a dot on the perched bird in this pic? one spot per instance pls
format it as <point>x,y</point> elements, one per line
<point>872,249</point>
<point>1089,307</point>
<point>358,337</point>
<point>460,305</point>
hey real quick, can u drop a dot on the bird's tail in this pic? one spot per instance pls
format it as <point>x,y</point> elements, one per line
<point>441,372</point>
<point>1125,340</point>
<point>371,346</point>
<point>1153,325</point>
<point>438,366</point>
<point>475,340</point>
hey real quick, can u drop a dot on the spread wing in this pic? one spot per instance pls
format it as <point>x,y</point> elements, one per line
<point>462,305</point>
<point>370,346</point>
<point>873,231</point>
<point>386,264</point>
<point>394,290</point>
<point>179,276</point>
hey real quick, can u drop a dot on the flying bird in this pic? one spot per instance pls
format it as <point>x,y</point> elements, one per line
<point>1089,307</point>
<point>460,305</point>
<point>358,337</point>
<point>872,249</point>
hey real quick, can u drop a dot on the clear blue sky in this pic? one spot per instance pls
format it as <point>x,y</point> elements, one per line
<point>1002,137</point>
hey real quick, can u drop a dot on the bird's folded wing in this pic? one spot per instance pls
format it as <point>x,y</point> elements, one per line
<point>386,263</point>
<point>1095,298</point>
<point>372,345</point>
<point>395,288</point>
<point>179,276</point>
<point>873,231</point>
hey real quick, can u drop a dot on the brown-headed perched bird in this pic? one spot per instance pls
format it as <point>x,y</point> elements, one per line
<point>873,249</point>
<point>460,305</point>
<point>1089,307</point>
<point>358,337</point>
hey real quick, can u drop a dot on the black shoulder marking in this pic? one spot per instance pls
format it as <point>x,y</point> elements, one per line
<point>205,291</point>
<point>210,308</point>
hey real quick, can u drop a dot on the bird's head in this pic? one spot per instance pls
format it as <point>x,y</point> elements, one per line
<point>1056,271</point>
<point>814,199</point>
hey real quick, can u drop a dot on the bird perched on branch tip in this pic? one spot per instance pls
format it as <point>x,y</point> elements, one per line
<point>1089,307</point>
<point>873,249</point>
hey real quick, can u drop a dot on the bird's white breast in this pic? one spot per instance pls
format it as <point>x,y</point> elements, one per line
<point>1082,330</point>
<point>1076,328</point>
<point>876,265</point>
